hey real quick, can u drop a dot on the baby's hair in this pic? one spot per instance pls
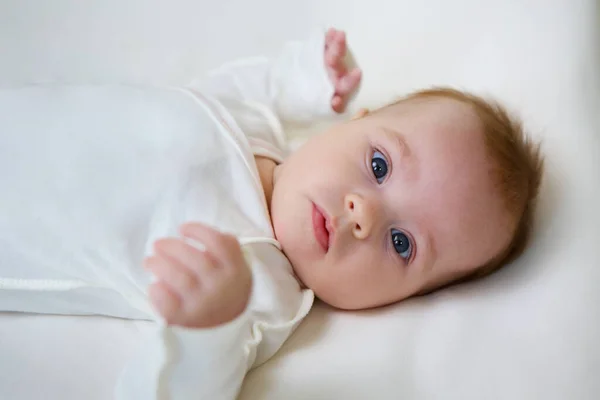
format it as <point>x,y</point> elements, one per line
<point>516,169</point>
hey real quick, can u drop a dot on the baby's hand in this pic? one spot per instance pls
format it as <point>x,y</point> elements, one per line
<point>199,289</point>
<point>344,81</point>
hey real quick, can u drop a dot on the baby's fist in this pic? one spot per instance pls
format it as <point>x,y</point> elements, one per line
<point>344,81</point>
<point>195,288</point>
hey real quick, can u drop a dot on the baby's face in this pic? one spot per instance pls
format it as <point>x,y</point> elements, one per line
<point>379,208</point>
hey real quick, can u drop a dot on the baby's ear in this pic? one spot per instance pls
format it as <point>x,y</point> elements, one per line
<point>363,112</point>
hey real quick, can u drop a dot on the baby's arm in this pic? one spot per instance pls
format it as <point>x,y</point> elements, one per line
<point>200,350</point>
<point>308,80</point>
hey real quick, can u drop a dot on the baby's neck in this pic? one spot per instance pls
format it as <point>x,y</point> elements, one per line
<point>266,170</point>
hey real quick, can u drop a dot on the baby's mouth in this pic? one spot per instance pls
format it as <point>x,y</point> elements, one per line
<point>320,227</point>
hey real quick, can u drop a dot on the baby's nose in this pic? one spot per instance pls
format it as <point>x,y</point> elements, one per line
<point>361,213</point>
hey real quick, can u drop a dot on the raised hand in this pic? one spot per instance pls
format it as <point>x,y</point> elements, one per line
<point>345,81</point>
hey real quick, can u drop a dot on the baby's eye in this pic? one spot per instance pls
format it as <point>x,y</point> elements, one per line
<point>401,244</point>
<point>379,165</point>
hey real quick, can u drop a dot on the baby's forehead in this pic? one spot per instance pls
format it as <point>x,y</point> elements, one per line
<point>441,108</point>
<point>441,120</point>
<point>446,147</point>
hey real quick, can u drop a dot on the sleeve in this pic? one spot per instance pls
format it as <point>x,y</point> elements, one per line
<point>294,85</point>
<point>180,363</point>
<point>263,94</point>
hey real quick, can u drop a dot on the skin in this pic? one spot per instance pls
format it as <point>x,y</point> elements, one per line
<point>437,193</point>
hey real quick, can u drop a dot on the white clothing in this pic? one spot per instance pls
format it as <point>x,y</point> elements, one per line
<point>93,175</point>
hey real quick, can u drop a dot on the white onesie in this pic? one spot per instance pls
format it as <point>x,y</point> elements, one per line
<point>91,176</point>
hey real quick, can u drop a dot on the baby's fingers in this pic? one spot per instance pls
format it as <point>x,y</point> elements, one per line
<point>337,103</point>
<point>333,61</point>
<point>166,302</point>
<point>335,50</point>
<point>178,278</point>
<point>223,247</point>
<point>183,254</point>
<point>348,83</point>
<point>329,36</point>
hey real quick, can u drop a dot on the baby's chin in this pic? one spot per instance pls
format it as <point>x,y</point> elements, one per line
<point>330,297</point>
<point>297,276</point>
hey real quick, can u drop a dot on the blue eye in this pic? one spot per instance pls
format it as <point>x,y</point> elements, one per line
<point>401,244</point>
<point>379,165</point>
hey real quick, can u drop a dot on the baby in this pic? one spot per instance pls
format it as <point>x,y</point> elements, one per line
<point>434,189</point>
<point>235,235</point>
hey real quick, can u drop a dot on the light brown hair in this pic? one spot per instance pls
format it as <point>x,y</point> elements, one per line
<point>516,170</point>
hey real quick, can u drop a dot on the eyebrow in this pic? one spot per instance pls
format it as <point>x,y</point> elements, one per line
<point>430,245</point>
<point>401,146</point>
<point>398,140</point>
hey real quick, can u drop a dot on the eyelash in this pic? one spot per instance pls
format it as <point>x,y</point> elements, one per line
<point>380,150</point>
<point>393,231</point>
<point>411,247</point>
